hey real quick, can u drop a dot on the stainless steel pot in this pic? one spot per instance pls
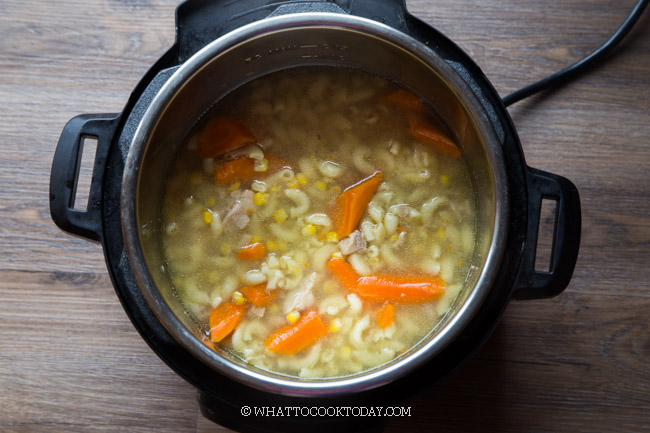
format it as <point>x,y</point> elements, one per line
<point>285,42</point>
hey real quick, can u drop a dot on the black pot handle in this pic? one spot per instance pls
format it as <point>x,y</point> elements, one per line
<point>65,173</point>
<point>534,284</point>
<point>199,22</point>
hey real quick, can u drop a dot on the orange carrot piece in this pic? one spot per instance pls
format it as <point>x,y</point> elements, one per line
<point>351,204</point>
<point>222,135</point>
<point>208,342</point>
<point>424,131</point>
<point>398,288</point>
<point>235,170</point>
<point>258,295</point>
<point>293,338</point>
<point>242,169</point>
<point>224,319</point>
<point>254,251</point>
<point>405,100</point>
<point>275,163</point>
<point>344,272</point>
<point>386,316</point>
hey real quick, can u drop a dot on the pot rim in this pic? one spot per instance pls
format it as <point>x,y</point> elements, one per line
<point>270,381</point>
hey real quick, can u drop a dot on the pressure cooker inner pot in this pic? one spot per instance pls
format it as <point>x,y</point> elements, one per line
<point>288,42</point>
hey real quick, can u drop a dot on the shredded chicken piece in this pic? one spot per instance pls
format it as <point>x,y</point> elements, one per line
<point>238,213</point>
<point>302,297</point>
<point>353,243</point>
<point>257,311</point>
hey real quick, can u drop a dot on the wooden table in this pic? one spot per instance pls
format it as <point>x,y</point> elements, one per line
<point>70,360</point>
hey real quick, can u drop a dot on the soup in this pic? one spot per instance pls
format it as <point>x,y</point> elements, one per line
<point>318,222</point>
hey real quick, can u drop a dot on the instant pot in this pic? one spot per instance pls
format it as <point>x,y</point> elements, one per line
<point>219,46</point>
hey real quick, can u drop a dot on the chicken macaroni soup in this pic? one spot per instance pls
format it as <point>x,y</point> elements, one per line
<point>318,222</point>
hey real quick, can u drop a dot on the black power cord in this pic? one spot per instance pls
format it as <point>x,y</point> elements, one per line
<point>582,65</point>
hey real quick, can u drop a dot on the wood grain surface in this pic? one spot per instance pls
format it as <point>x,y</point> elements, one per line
<point>70,360</point>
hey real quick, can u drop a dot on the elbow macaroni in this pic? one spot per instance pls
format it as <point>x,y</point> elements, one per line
<point>301,201</point>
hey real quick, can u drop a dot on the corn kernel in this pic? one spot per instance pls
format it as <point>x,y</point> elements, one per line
<point>271,246</point>
<point>260,198</point>
<point>234,187</point>
<point>394,237</point>
<point>196,178</point>
<point>308,230</point>
<point>207,216</point>
<point>337,255</point>
<point>444,179</point>
<point>335,325</point>
<point>293,316</point>
<point>302,179</point>
<point>212,201</point>
<point>238,298</point>
<point>332,237</point>
<point>321,185</point>
<point>293,183</point>
<point>255,239</point>
<point>280,215</point>
<point>282,245</point>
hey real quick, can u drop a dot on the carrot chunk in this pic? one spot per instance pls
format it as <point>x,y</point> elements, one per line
<point>258,295</point>
<point>235,170</point>
<point>386,316</point>
<point>224,319</point>
<point>208,342</point>
<point>242,169</point>
<point>405,100</point>
<point>254,251</point>
<point>398,288</point>
<point>275,164</point>
<point>344,272</point>
<point>352,202</point>
<point>221,135</point>
<point>293,338</point>
<point>424,131</point>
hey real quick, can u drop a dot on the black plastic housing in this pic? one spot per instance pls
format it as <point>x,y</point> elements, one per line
<point>199,22</point>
